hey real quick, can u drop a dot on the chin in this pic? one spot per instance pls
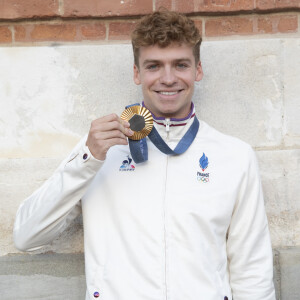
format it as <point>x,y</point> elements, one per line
<point>166,110</point>
<point>169,114</point>
<point>173,112</point>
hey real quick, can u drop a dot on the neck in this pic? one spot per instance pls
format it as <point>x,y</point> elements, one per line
<point>157,119</point>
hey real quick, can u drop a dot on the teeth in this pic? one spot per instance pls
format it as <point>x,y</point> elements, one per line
<point>168,93</point>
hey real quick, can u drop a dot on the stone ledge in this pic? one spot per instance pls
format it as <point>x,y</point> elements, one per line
<point>289,264</point>
<point>32,275</point>
<point>42,276</point>
<point>51,264</point>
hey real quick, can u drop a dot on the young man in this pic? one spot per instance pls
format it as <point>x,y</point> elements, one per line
<point>171,227</point>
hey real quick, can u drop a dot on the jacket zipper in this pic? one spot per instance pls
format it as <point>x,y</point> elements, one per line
<point>165,229</point>
<point>167,123</point>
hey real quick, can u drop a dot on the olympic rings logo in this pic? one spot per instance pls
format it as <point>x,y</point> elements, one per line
<point>203,179</point>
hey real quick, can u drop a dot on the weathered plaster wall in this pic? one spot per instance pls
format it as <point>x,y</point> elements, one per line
<point>50,94</point>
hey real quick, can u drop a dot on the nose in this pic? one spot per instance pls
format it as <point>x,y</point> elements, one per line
<point>168,76</point>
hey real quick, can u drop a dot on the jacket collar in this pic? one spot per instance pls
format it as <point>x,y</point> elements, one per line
<point>173,129</point>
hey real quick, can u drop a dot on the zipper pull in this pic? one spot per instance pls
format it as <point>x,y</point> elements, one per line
<point>167,125</point>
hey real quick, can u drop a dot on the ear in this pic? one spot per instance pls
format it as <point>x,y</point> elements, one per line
<point>136,75</point>
<point>199,71</point>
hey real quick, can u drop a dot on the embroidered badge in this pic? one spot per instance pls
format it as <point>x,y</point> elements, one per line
<point>126,165</point>
<point>203,162</point>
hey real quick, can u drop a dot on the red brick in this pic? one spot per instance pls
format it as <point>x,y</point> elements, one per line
<point>101,8</point>
<point>22,9</point>
<point>275,24</point>
<point>57,32</point>
<point>184,6</point>
<point>198,24</point>
<point>21,33</point>
<point>120,31</point>
<point>265,25</point>
<point>181,6</point>
<point>5,35</point>
<point>229,26</point>
<point>277,4</point>
<point>163,3</point>
<point>288,24</point>
<point>92,31</point>
<point>214,6</point>
<point>46,32</point>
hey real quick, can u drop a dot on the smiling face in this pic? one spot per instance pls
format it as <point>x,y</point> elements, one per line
<point>167,76</point>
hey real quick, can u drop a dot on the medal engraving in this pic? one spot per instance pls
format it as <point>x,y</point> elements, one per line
<point>140,120</point>
<point>137,123</point>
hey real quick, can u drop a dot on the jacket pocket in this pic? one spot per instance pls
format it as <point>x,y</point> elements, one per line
<point>95,287</point>
<point>224,286</point>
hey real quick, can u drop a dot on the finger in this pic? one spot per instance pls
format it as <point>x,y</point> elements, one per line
<point>126,124</point>
<point>110,118</point>
<point>106,135</point>
<point>110,126</point>
<point>127,131</point>
<point>117,141</point>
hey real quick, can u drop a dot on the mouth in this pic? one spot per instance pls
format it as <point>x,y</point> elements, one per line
<point>169,93</point>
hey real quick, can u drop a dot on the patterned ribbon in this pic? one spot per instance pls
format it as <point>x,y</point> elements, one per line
<point>139,149</point>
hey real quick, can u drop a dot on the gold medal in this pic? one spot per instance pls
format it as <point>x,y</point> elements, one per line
<point>140,120</point>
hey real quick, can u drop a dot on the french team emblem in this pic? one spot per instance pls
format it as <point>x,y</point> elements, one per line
<point>126,165</point>
<point>203,162</point>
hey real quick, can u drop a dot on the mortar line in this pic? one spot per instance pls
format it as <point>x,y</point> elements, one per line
<point>106,31</point>
<point>61,10</point>
<point>12,29</point>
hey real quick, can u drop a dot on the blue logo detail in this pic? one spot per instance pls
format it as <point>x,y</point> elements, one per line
<point>203,161</point>
<point>126,165</point>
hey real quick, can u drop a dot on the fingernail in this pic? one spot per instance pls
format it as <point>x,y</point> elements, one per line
<point>130,131</point>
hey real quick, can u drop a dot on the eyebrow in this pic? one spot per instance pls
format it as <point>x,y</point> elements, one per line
<point>184,59</point>
<point>150,61</point>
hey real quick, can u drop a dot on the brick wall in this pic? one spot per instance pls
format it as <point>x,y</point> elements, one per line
<point>40,21</point>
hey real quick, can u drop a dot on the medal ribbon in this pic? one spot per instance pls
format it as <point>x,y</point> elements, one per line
<point>139,149</point>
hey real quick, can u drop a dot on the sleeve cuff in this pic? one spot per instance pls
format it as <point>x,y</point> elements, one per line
<point>86,155</point>
<point>82,158</point>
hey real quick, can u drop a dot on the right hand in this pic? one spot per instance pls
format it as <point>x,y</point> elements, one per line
<point>106,132</point>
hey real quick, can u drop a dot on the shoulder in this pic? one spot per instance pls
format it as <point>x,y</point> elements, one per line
<point>225,145</point>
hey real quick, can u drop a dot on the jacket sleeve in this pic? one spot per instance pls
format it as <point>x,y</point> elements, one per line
<point>50,209</point>
<point>248,245</point>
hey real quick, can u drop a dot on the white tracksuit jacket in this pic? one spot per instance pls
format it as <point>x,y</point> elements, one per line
<point>164,229</point>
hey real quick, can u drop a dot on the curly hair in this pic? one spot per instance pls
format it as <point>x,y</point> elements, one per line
<point>163,28</point>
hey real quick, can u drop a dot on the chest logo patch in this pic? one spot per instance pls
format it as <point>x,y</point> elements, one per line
<point>203,163</point>
<point>126,165</point>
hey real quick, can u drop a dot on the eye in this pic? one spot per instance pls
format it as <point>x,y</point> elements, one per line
<point>152,67</point>
<point>181,66</point>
